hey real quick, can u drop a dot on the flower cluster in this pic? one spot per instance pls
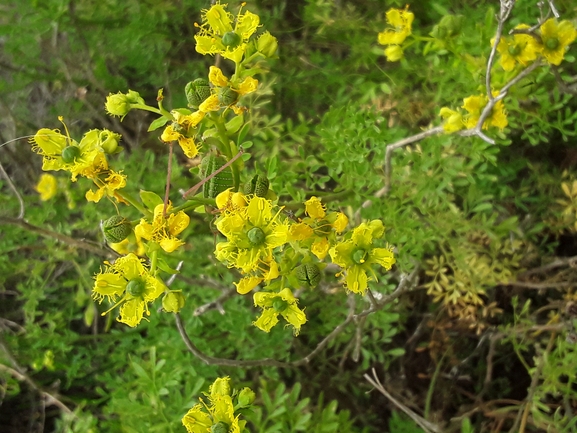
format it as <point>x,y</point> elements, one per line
<point>400,21</point>
<point>164,229</point>
<point>474,105</point>
<point>217,413</point>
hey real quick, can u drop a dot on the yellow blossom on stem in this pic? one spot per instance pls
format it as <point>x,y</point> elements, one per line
<point>518,49</point>
<point>475,105</point>
<point>221,33</point>
<point>453,120</point>
<point>225,92</point>
<point>47,187</point>
<point>183,130</point>
<point>60,152</point>
<point>400,21</point>
<point>555,38</point>
<point>253,232</point>
<point>130,280</point>
<point>394,53</point>
<point>113,182</point>
<point>273,304</point>
<point>357,254</point>
<point>163,230</point>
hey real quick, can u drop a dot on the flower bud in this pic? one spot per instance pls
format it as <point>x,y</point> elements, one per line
<point>109,141</point>
<point>219,427</point>
<point>267,45</point>
<point>227,96</point>
<point>246,397</point>
<point>121,103</point>
<point>221,386</point>
<point>308,275</point>
<point>258,186</point>
<point>173,301</point>
<point>116,229</point>
<point>231,40</point>
<point>394,53</point>
<point>448,27</point>
<point>196,92</point>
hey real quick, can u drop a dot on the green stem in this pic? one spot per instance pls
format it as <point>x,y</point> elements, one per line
<point>134,202</point>
<point>153,261</point>
<point>153,109</point>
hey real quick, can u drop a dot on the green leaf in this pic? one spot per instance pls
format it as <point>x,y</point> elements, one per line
<point>157,123</point>
<point>150,199</point>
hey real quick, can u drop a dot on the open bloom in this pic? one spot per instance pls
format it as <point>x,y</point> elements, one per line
<point>400,21</point>
<point>113,182</point>
<point>556,37</point>
<point>183,130</point>
<point>163,230</point>
<point>273,304</point>
<point>317,231</point>
<point>60,152</point>
<point>47,187</point>
<point>253,232</point>
<point>129,279</point>
<point>453,120</point>
<point>221,33</point>
<point>475,105</point>
<point>225,92</point>
<point>357,254</point>
<point>518,49</point>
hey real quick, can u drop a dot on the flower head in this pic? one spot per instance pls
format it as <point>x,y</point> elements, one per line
<point>164,229</point>
<point>474,105</point>
<point>518,49</point>
<point>129,279</point>
<point>357,254</point>
<point>60,152</point>
<point>47,187</point>
<point>225,92</point>
<point>221,33</point>
<point>113,182</point>
<point>253,232</point>
<point>183,130</point>
<point>556,37</point>
<point>453,120</point>
<point>273,304</point>
<point>400,21</point>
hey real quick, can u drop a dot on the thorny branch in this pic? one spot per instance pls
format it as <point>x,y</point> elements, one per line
<point>405,285</point>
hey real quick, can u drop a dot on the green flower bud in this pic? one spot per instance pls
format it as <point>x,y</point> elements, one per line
<point>256,236</point>
<point>136,287</point>
<point>120,104</point>
<point>279,305</point>
<point>267,45</point>
<point>196,92</point>
<point>219,427</point>
<point>173,301</point>
<point>258,186</point>
<point>116,229</point>
<point>448,27</point>
<point>109,141</point>
<point>221,386</point>
<point>227,96</point>
<point>246,397</point>
<point>359,256</point>
<point>308,275</point>
<point>70,153</point>
<point>231,40</point>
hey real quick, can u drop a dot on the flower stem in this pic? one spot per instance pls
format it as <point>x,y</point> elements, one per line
<point>134,202</point>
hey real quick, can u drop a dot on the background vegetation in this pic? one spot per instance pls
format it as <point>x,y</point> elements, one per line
<point>484,340</point>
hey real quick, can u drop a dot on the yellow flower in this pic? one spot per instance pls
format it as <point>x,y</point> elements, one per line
<point>253,232</point>
<point>400,20</point>
<point>114,181</point>
<point>218,35</point>
<point>267,271</point>
<point>555,38</point>
<point>454,120</point>
<point>129,279</point>
<point>132,244</point>
<point>519,48</point>
<point>229,200</point>
<point>60,152</point>
<point>273,304</point>
<point>394,53</point>
<point>317,232</point>
<point>163,231</point>
<point>47,187</point>
<point>357,254</point>
<point>225,92</point>
<point>475,105</point>
<point>183,130</point>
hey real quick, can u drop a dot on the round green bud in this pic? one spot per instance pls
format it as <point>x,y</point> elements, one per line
<point>136,287</point>
<point>258,186</point>
<point>116,229</point>
<point>221,386</point>
<point>196,92</point>
<point>308,275</point>
<point>173,302</point>
<point>552,43</point>
<point>256,236</point>
<point>514,50</point>
<point>219,427</point>
<point>359,256</point>
<point>267,45</point>
<point>231,40</point>
<point>120,104</point>
<point>246,397</point>
<point>109,141</point>
<point>279,305</point>
<point>227,96</point>
<point>70,153</point>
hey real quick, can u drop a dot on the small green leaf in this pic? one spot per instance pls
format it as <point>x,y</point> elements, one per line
<point>150,199</point>
<point>157,123</point>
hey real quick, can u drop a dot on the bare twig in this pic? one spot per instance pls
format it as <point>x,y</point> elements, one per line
<point>557,263</point>
<point>541,286</point>
<point>504,11</point>
<point>216,304</point>
<point>422,422</point>
<point>563,86</point>
<point>14,190</point>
